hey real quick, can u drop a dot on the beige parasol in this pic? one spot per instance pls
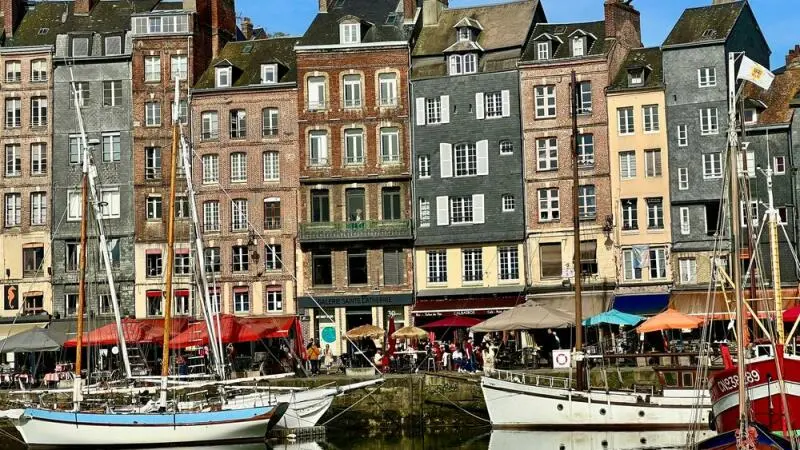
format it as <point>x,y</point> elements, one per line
<point>410,333</point>
<point>365,331</point>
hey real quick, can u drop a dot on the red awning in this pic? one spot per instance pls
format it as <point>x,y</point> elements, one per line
<point>479,305</point>
<point>453,322</point>
<point>154,334</point>
<point>132,329</point>
<point>254,329</point>
<point>196,333</point>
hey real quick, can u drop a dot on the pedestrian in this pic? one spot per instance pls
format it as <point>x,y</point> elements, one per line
<point>327,356</point>
<point>458,359</point>
<point>313,358</point>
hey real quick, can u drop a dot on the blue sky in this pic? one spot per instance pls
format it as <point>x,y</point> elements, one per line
<point>778,18</point>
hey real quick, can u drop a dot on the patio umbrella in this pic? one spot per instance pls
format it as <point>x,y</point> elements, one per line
<point>527,316</point>
<point>613,317</point>
<point>365,331</point>
<point>410,333</point>
<point>34,340</point>
<point>669,320</point>
<point>391,344</point>
<point>453,322</point>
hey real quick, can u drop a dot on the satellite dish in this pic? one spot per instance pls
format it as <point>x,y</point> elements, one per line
<point>115,350</point>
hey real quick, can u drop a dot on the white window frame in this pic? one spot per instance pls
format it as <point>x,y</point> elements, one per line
<point>587,201</point>
<point>626,125</point>
<point>390,145</point>
<point>152,68</point>
<point>39,70</point>
<point>461,210</point>
<point>687,268</point>
<point>13,72</point>
<point>627,165</point>
<point>424,166</point>
<point>209,125</point>
<point>685,220</point>
<point>179,67</point>
<point>387,91</point>
<point>210,169</point>
<point>241,301</point>
<point>436,267</point>
<point>465,160</point>
<point>13,160</point>
<point>585,97</point>
<point>211,216</point>
<point>222,77</point>
<point>506,147</point>
<point>545,101</point>
<point>274,300</point>
<point>650,119</point>
<point>577,46</point>
<point>352,90</point>
<point>542,50</point>
<point>658,263</point>
<point>655,214</point>
<point>683,178</point>
<point>155,207</point>
<point>508,263</point>
<point>712,166</point>
<point>355,153</point>
<point>269,73</point>
<point>349,33</point>
<point>706,77</point>
<point>629,208</point>
<point>653,165</point>
<point>709,121</point>
<point>111,147</point>
<point>74,205</point>
<point>508,202</point>
<point>779,165</point>
<point>469,63</point>
<point>318,143</point>
<point>683,135</point>
<point>240,213</point>
<point>316,93</point>
<point>424,212</point>
<point>109,203</point>
<point>152,114</point>
<point>38,158</point>
<point>750,116</point>
<point>13,209</point>
<point>39,111</point>
<point>549,205</point>
<point>755,219</point>
<point>546,154</point>
<point>472,265</point>
<point>629,272</point>
<point>238,167</point>
<point>749,157</point>
<point>433,110</point>
<point>493,104</point>
<point>272,166</point>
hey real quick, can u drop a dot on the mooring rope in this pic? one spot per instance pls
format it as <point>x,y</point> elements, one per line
<point>461,408</point>
<point>350,407</point>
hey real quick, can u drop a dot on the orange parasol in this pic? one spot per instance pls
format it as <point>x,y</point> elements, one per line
<point>669,320</point>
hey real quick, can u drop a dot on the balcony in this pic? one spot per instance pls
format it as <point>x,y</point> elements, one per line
<point>363,230</point>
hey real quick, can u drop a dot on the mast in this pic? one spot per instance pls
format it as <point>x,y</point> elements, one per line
<point>77,386</point>
<point>775,260</point>
<point>580,375</point>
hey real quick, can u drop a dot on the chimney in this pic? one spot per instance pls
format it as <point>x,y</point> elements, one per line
<point>323,6</point>
<point>190,5</point>
<point>722,2</point>
<point>12,14</point>
<point>247,28</point>
<point>409,9</point>
<point>431,10</point>
<point>83,7</point>
<point>223,23</point>
<point>623,23</point>
<point>793,58</point>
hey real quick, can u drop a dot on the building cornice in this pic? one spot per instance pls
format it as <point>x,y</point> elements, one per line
<point>351,47</point>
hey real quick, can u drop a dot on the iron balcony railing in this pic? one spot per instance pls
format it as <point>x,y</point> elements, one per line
<point>355,231</point>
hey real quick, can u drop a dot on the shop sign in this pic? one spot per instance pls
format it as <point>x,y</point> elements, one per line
<point>11,297</point>
<point>340,301</point>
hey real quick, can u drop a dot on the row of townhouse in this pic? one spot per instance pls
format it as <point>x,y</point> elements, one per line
<point>401,158</point>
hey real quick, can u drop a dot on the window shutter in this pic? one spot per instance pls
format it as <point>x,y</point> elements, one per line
<point>482,148</point>
<point>442,211</point>
<point>657,156</point>
<point>506,95</point>
<point>446,160</point>
<point>477,208</point>
<point>420,110</point>
<point>479,108</point>
<point>445,101</point>
<point>392,267</point>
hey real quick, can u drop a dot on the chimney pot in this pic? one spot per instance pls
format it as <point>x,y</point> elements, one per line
<point>323,6</point>
<point>84,6</point>
<point>431,10</point>
<point>409,9</point>
<point>793,58</point>
<point>247,28</point>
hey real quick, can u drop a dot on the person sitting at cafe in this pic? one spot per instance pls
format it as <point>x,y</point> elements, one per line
<point>458,359</point>
<point>378,360</point>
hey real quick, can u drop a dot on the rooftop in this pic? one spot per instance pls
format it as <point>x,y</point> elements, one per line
<point>706,23</point>
<point>785,88</point>
<point>649,58</point>
<point>383,20</point>
<point>248,56</point>
<point>562,31</point>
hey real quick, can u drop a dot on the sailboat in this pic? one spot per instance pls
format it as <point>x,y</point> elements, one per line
<point>516,400</point>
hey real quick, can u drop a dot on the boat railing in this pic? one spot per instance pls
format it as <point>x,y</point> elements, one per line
<point>532,379</point>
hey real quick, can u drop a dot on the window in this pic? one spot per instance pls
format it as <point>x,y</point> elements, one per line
<point>272,214</point>
<point>152,163</point>
<point>548,205</point>
<point>152,69</point>
<point>390,145</point>
<point>747,164</point>
<point>466,160</point>
<point>424,212</point>
<point>388,89</point>
<point>542,50</point>
<point>493,103</point>
<point>223,77</point>
<point>113,252</point>
<point>316,93</point>
<point>688,270</point>
<point>241,300</point>
<point>109,203</point>
<point>709,121</point>
<point>210,169</point>
<point>357,267</point>
<point>112,45</point>
<point>547,153</point>
<point>686,226</point>
<point>320,205</point>
<point>241,259</point>
<point>238,167</point>
<point>683,136</point>
<point>112,93</point>
<point>627,165</point>
<point>81,88</point>
<point>210,125</point>
<point>463,34</point>
<point>658,263</point>
<point>586,150</point>
<point>39,70</point>
<point>238,124</point>
<point>153,263</point>
<point>13,160</point>
<point>152,114</point>
<point>74,205</point>
<point>38,159</point>
<point>13,114</point>
<point>211,216</point>
<point>274,300</point>
<point>354,146</point>
<point>349,33</point>
<point>630,214</point>
<point>215,297</point>
<point>322,269</point>
<point>585,97</point>
<point>181,207</point>
<point>239,215</point>
<point>587,202</point>
<point>394,266</point>
<point>506,147</point>
<point>269,122</point>
<point>72,252</point>
<point>183,113</point>
<point>750,116</point>
<point>352,91</point>
<point>271,166</point>
<point>318,141</point>
<point>707,77</point>
<point>635,77</point>
<point>110,147</point>
<point>588,251</point>
<point>655,213</point>
<point>71,304</point>
<point>212,260</point>
<point>180,303</point>
<point>461,210</point>
<point>712,165</point>
<point>753,213</point>
<point>545,101</point>
<point>455,64</point>
<point>13,72</point>
<point>472,262</point>
<point>783,215</point>
<point>182,263</point>
<point>650,118</point>
<point>269,73</point>
<point>424,164</point>
<point>652,163</point>
<point>104,305</point>
<point>625,121</point>
<point>577,46</point>
<point>390,199</point>
<point>550,257</point>
<point>632,262</point>
<point>39,112</point>
<point>683,178</point>
<point>712,213</point>
<point>13,203</point>
<point>179,67</point>
<point>509,263</point>
<point>154,207</point>
<point>779,165</point>
<point>355,204</point>
<point>433,110</point>
<point>509,202</point>
<point>272,257</point>
<point>437,266</point>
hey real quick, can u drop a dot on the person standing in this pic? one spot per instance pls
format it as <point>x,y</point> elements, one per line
<point>313,358</point>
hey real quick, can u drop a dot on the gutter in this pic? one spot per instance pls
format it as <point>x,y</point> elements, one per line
<point>365,45</point>
<point>248,88</point>
<point>26,49</point>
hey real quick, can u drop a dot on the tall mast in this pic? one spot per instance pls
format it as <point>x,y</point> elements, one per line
<point>775,260</point>
<point>76,395</point>
<point>580,375</point>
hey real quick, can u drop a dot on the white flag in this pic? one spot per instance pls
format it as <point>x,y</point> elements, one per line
<point>755,73</point>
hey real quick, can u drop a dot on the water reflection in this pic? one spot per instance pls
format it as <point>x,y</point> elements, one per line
<point>576,440</point>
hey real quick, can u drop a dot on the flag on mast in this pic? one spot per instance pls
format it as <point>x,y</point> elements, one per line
<point>755,73</point>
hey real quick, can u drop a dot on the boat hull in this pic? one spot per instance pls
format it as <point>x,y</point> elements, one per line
<point>578,440</point>
<point>516,405</point>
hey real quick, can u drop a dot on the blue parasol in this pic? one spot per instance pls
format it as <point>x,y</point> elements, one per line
<point>613,317</point>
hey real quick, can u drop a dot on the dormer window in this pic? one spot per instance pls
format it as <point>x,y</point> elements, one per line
<point>542,50</point>
<point>80,46</point>
<point>461,64</point>
<point>636,77</point>
<point>464,34</point>
<point>349,33</point>
<point>578,46</point>
<point>223,77</point>
<point>750,116</point>
<point>269,73</point>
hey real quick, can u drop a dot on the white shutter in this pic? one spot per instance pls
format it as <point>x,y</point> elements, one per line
<point>506,95</point>
<point>445,100</point>
<point>477,208</point>
<point>445,160</point>
<point>420,111</point>
<point>479,108</point>
<point>442,211</point>
<point>313,93</point>
<point>482,148</point>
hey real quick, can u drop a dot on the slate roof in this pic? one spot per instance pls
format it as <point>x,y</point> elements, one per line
<point>563,31</point>
<point>785,88</point>
<point>706,23</point>
<point>649,58</point>
<point>247,61</point>
<point>324,30</point>
<point>106,16</point>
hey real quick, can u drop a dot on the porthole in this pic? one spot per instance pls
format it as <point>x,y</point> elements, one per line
<point>560,407</point>
<point>643,441</point>
<point>604,443</point>
<point>562,447</point>
<point>602,411</point>
<point>641,413</point>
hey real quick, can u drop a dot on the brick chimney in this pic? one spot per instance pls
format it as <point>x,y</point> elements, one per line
<point>323,6</point>
<point>793,58</point>
<point>623,22</point>
<point>223,24</point>
<point>431,10</point>
<point>12,14</point>
<point>83,7</point>
<point>247,28</point>
<point>409,9</point>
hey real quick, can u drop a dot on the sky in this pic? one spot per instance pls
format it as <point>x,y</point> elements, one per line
<point>779,19</point>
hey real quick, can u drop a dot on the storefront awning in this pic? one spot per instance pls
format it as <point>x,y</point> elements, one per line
<point>479,305</point>
<point>592,302</point>
<point>265,328</point>
<point>642,304</point>
<point>10,329</point>
<point>721,306</point>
